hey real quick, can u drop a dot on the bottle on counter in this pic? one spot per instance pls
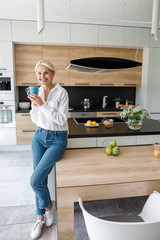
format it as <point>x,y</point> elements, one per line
<point>126,102</point>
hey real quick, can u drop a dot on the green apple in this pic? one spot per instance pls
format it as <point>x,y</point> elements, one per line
<point>113,143</point>
<point>109,146</point>
<point>108,151</point>
<point>115,150</point>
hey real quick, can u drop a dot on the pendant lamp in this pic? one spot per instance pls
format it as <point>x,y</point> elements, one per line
<point>40,16</point>
<point>155,19</point>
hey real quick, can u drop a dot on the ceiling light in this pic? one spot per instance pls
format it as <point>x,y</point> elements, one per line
<point>155,19</point>
<point>40,16</point>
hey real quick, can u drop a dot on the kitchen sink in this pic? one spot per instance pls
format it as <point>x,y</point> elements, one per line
<point>98,120</point>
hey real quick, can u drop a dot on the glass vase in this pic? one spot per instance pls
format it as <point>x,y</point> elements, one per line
<point>134,124</point>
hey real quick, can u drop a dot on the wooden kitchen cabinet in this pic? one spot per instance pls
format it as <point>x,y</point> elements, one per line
<point>109,114</point>
<point>131,77</point>
<point>107,79</point>
<point>25,128</point>
<point>81,78</point>
<point>59,56</point>
<point>26,57</point>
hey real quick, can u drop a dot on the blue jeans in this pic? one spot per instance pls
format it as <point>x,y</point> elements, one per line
<point>47,148</point>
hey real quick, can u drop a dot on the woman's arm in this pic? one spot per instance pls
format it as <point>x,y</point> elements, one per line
<point>36,102</point>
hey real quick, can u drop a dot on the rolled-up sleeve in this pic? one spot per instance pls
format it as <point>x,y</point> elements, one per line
<point>33,113</point>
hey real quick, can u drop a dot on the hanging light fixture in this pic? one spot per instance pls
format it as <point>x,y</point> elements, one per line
<point>155,19</point>
<point>40,16</point>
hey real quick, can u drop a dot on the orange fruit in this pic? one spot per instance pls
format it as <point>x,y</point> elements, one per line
<point>89,123</point>
<point>156,153</point>
<point>94,123</point>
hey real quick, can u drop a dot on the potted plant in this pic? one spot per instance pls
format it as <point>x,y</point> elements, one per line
<point>117,101</point>
<point>135,116</point>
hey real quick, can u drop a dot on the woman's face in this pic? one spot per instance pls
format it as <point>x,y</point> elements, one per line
<point>44,75</point>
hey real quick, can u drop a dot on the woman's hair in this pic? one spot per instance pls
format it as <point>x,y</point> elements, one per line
<point>47,63</point>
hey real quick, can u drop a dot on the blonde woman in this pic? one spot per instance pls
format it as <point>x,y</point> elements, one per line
<point>49,112</point>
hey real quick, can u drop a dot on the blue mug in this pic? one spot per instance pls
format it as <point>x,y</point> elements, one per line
<point>30,90</point>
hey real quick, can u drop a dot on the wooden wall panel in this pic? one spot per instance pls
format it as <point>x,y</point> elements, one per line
<point>59,56</point>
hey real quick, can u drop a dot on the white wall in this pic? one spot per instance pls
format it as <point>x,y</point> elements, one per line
<point>148,95</point>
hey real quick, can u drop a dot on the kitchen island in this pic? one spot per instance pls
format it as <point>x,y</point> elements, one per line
<point>92,175</point>
<point>83,137</point>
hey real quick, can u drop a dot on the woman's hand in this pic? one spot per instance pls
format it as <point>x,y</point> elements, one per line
<point>35,99</point>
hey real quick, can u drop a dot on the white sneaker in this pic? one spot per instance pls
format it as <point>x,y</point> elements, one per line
<point>37,229</point>
<point>49,217</point>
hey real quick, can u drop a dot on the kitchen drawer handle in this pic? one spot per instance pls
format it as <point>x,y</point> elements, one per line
<point>28,131</point>
<point>81,83</point>
<point>3,69</point>
<point>109,113</point>
<point>61,83</point>
<point>106,84</point>
<point>29,84</point>
<point>25,114</point>
<point>130,84</point>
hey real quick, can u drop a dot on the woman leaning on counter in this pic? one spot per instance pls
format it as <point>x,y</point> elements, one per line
<point>49,112</point>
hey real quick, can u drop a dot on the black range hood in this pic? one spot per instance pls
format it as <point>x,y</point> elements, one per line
<point>101,64</point>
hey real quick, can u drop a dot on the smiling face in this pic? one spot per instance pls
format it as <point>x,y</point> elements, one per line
<point>45,75</point>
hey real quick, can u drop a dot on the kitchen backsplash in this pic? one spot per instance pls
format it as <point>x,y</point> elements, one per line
<point>77,94</point>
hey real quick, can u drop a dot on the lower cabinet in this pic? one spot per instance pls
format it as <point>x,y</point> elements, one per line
<point>8,136</point>
<point>125,141</point>
<point>25,128</point>
<point>109,114</point>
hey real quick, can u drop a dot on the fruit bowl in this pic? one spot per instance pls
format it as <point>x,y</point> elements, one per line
<point>112,147</point>
<point>108,123</point>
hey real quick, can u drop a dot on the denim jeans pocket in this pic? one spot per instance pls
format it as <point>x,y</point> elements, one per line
<point>62,135</point>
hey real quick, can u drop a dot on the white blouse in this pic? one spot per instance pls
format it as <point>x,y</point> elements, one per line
<point>53,114</point>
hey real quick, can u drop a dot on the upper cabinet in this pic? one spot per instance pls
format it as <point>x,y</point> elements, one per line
<point>59,56</point>
<point>5,30</point>
<point>26,57</point>
<point>111,35</point>
<point>6,56</point>
<point>131,77</point>
<point>84,34</point>
<point>56,33</point>
<point>81,78</point>
<point>137,37</point>
<point>25,32</point>
<point>108,78</point>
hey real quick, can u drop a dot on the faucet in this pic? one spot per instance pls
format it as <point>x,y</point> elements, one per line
<point>104,103</point>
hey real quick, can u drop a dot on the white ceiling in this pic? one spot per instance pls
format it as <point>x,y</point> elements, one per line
<point>114,12</point>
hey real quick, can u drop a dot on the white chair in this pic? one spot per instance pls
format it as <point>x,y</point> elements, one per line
<point>149,229</point>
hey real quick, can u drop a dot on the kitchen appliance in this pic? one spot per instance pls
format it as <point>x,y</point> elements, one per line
<point>6,82</point>
<point>86,103</point>
<point>7,114</point>
<point>101,64</point>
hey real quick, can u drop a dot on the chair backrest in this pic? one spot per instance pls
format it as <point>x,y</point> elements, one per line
<point>151,209</point>
<point>99,229</point>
